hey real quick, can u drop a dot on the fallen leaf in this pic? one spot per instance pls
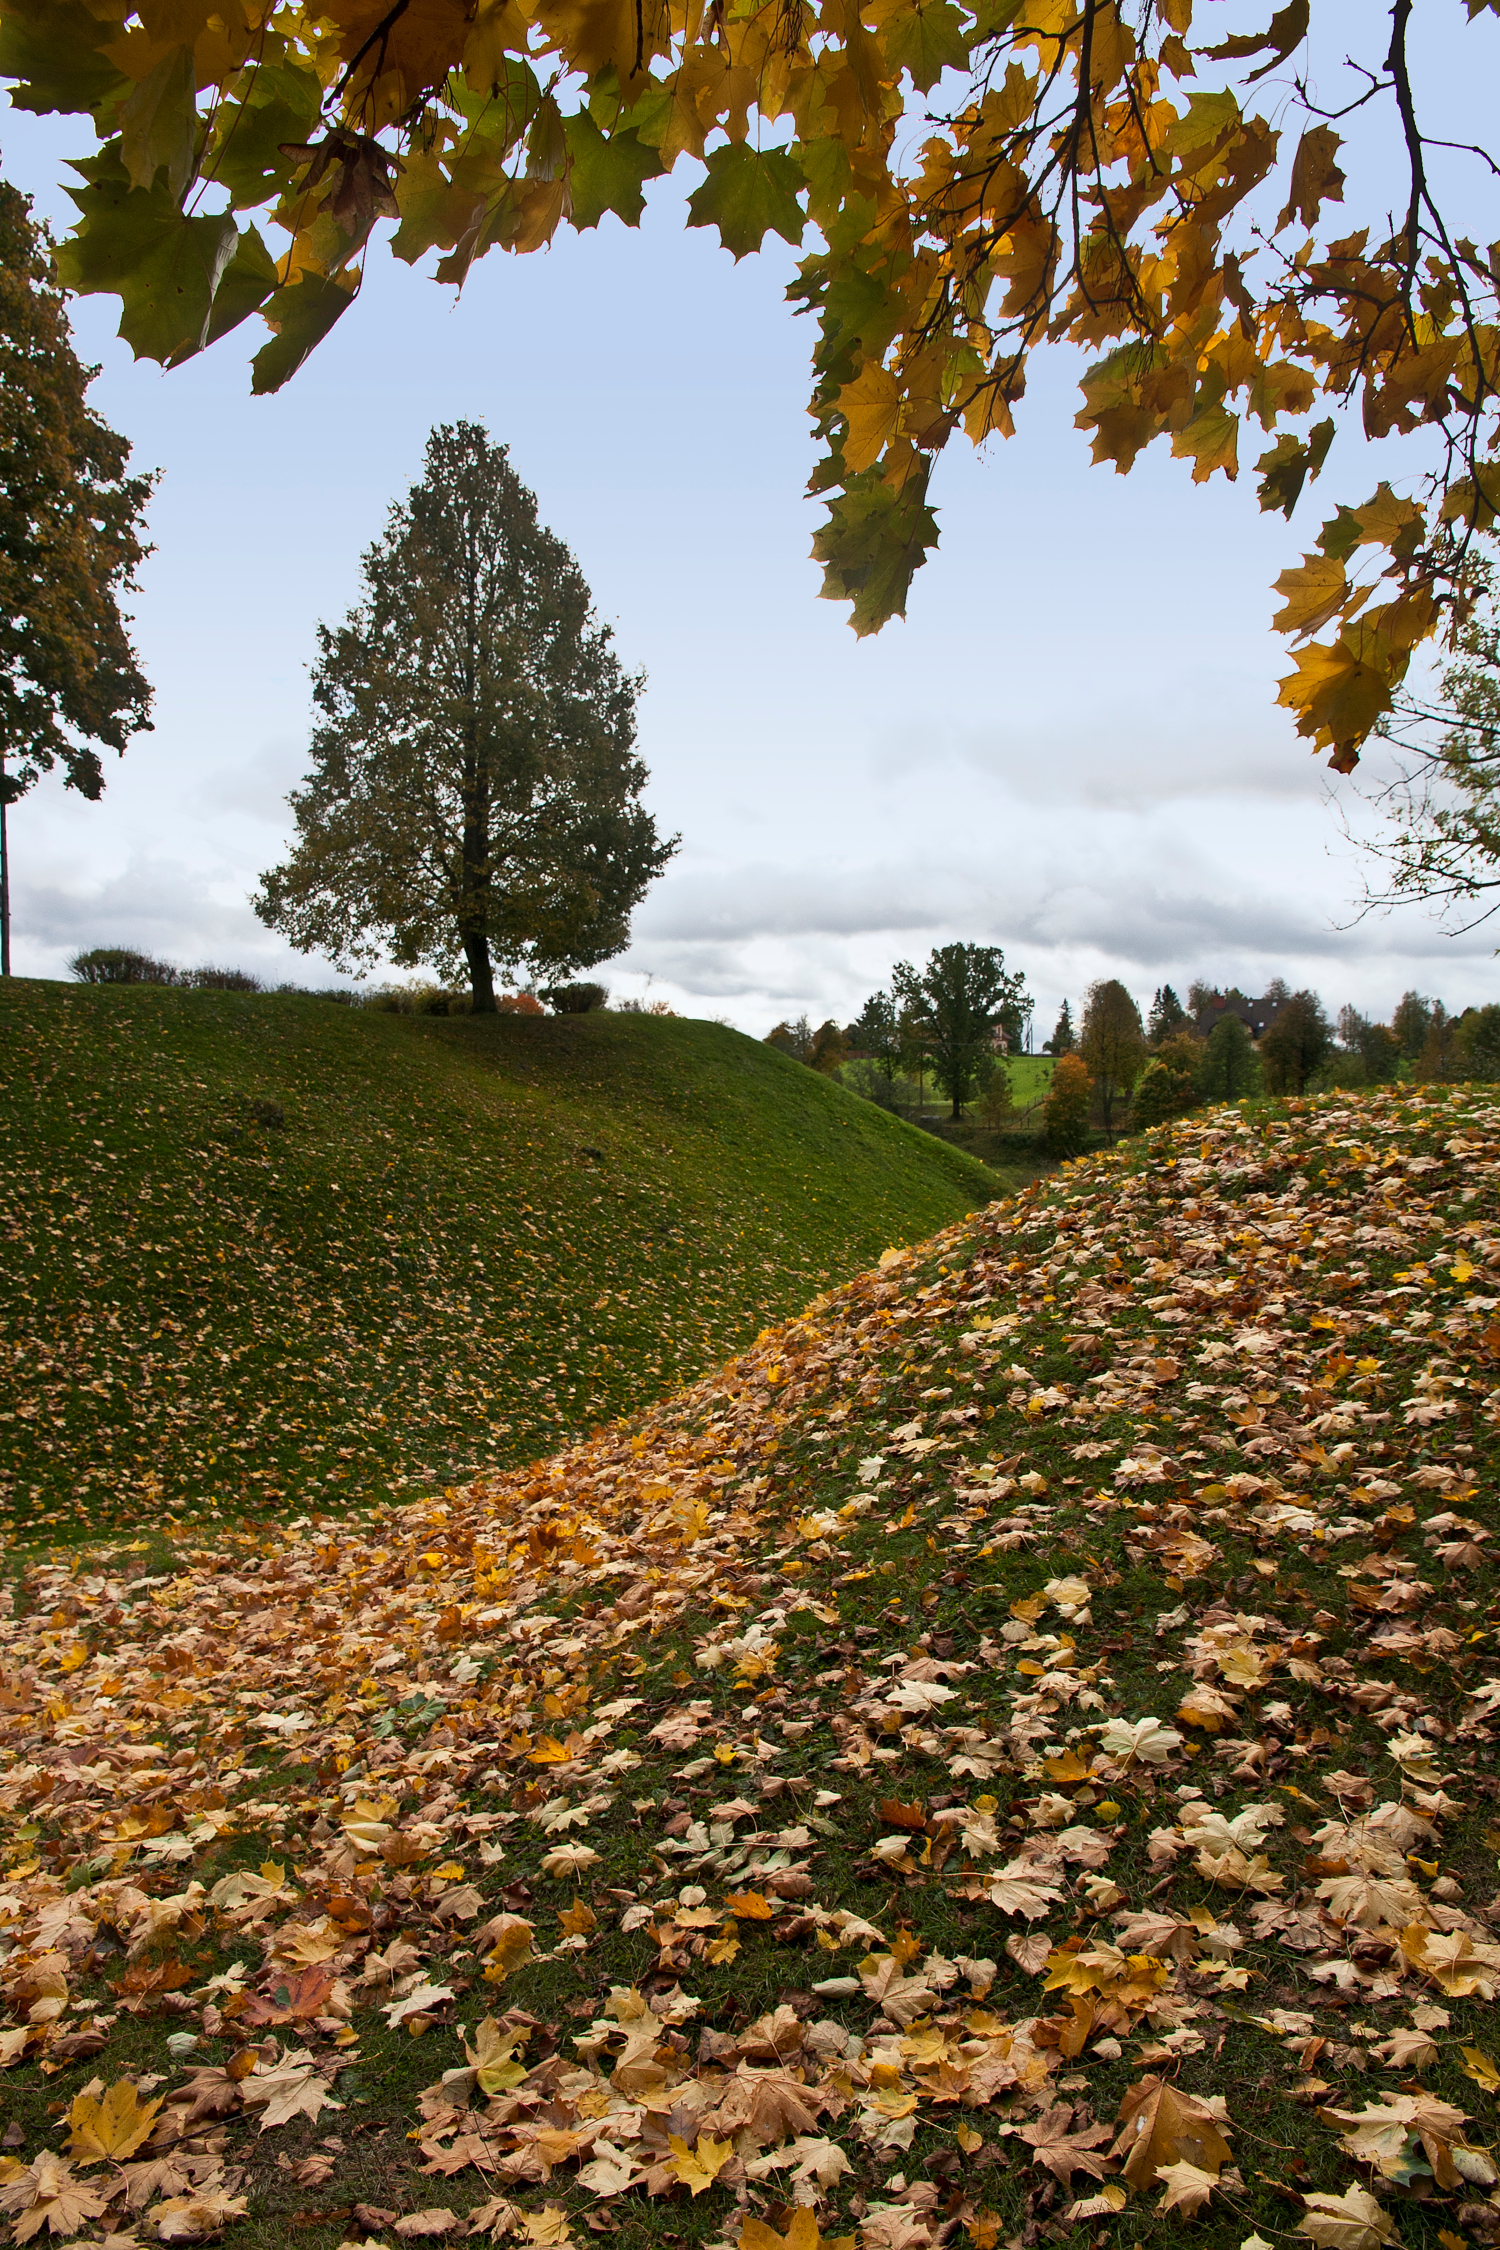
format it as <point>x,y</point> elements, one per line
<point>1160,2127</point>
<point>45,2193</point>
<point>109,2130</point>
<point>1351,2221</point>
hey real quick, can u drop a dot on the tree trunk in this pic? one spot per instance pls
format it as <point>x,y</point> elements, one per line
<point>481,981</point>
<point>4,872</point>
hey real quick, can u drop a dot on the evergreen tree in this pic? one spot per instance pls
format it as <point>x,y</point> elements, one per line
<point>1168,1015</point>
<point>475,792</point>
<point>70,544</point>
<point>1064,1040</point>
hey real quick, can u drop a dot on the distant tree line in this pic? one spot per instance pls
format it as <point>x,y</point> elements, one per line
<point>1224,1045</point>
<point>952,1020</point>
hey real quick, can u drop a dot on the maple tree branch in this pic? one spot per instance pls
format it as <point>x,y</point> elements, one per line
<point>377,37</point>
<point>1396,64</point>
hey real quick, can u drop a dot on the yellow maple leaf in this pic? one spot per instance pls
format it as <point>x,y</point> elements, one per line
<point>578,1919</point>
<point>510,1943</point>
<point>1476,2064</point>
<point>493,2056</point>
<point>749,1906</point>
<point>700,2166</point>
<point>802,2234</point>
<point>872,406</point>
<point>109,2129</point>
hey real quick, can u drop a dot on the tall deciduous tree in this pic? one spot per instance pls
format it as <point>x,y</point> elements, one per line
<point>475,792</point>
<point>1113,1046</point>
<point>1230,1066</point>
<point>70,544</point>
<point>1298,1038</point>
<point>982,180</point>
<point>960,997</point>
<point>876,1032</point>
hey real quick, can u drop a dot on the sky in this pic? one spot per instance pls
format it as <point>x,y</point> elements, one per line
<point>1070,748</point>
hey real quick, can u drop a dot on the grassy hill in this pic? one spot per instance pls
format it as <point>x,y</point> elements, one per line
<point>265,1249</point>
<point>1009,1758</point>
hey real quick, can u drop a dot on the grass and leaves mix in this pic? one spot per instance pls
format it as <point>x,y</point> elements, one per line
<point>261,1252</point>
<point>1010,1757</point>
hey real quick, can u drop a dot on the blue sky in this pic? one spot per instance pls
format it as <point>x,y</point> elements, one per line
<point>1070,748</point>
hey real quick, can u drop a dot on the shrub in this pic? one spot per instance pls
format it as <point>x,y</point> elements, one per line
<point>660,1008</point>
<point>1065,1114</point>
<point>121,964</point>
<point>1479,1042</point>
<point>575,999</point>
<point>420,1000</point>
<point>997,1101</point>
<point>520,1004</point>
<point>222,980</point>
<point>1168,1086</point>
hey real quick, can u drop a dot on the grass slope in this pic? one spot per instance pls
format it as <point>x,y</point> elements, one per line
<point>1010,1756</point>
<point>467,1240</point>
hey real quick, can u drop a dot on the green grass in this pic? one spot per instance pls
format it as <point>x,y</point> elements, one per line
<point>265,1252</point>
<point>1331,1265</point>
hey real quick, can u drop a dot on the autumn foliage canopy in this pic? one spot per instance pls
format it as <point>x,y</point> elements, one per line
<point>1084,172</point>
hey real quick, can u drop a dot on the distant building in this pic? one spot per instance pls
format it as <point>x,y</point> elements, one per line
<point>1256,1015</point>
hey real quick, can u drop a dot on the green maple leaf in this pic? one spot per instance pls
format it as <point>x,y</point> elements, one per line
<point>749,193</point>
<point>245,284</point>
<point>301,317</point>
<point>927,42</point>
<point>608,171</point>
<point>871,545</point>
<point>135,241</point>
<point>281,110</point>
<point>159,123</point>
<point>53,48</point>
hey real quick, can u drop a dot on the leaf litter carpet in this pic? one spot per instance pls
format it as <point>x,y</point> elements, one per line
<point>1009,1757</point>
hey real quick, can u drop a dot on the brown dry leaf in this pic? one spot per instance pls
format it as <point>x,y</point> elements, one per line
<point>418,2225</point>
<point>1064,2153</point>
<point>196,2218</point>
<point>1351,2221</point>
<point>45,2193</point>
<point>1159,2127</point>
<point>1188,2188</point>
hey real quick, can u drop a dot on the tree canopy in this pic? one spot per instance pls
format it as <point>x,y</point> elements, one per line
<point>1112,1044</point>
<point>475,790</point>
<point>70,543</point>
<point>955,1005</point>
<point>1091,173</point>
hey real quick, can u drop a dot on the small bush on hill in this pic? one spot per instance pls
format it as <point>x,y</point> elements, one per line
<point>419,1000</point>
<point>1168,1086</point>
<point>120,964</point>
<point>575,999</point>
<point>222,980</point>
<point>520,1004</point>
